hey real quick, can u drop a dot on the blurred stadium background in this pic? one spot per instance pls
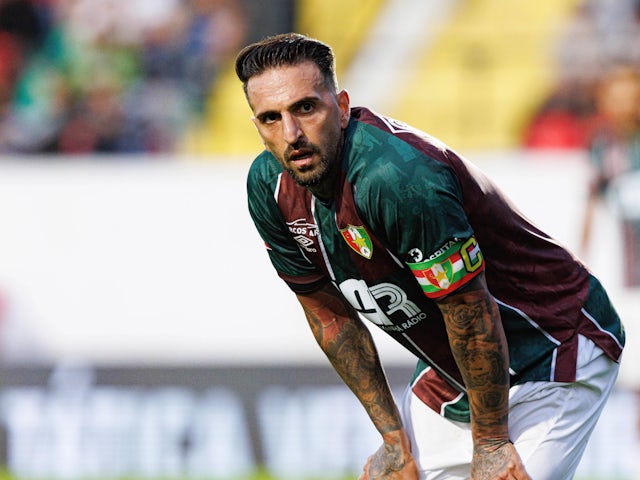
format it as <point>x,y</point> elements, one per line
<point>143,333</point>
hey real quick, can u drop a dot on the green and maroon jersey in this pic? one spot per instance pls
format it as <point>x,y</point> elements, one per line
<point>410,222</point>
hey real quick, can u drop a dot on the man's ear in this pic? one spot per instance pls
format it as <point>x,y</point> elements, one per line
<point>345,110</point>
<point>255,124</point>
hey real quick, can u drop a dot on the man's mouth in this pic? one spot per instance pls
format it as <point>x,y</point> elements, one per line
<point>301,157</point>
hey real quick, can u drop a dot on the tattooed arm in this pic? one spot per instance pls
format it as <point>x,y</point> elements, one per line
<point>480,348</point>
<point>349,347</point>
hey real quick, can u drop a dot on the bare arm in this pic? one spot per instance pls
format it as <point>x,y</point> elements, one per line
<point>349,347</point>
<point>479,346</point>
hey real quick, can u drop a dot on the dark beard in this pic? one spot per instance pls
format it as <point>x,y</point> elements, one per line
<point>320,175</point>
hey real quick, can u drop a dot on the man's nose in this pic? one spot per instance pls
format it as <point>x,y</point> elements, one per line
<point>291,129</point>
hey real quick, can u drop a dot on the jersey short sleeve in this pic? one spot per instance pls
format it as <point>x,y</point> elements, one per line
<point>417,203</point>
<point>285,255</point>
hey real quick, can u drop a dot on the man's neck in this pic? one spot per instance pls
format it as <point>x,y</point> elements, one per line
<point>324,190</point>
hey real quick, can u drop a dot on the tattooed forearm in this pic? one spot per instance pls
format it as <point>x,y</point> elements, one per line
<point>479,347</point>
<point>350,349</point>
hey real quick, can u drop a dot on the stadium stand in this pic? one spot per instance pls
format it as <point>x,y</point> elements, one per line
<point>491,64</point>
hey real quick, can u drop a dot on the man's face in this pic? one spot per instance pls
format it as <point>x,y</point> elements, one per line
<point>299,119</point>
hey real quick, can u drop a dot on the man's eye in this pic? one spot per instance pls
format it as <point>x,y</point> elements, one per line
<point>306,107</point>
<point>270,118</point>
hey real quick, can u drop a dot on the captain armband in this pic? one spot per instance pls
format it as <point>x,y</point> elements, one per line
<point>450,267</point>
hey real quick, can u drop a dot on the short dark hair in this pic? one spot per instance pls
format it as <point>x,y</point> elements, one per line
<point>285,50</point>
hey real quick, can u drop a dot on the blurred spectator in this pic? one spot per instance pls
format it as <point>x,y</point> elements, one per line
<point>21,30</point>
<point>118,76</point>
<point>562,121</point>
<point>614,150</point>
<point>10,64</point>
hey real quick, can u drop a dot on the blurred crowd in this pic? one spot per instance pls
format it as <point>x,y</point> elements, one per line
<point>82,76</point>
<point>120,76</point>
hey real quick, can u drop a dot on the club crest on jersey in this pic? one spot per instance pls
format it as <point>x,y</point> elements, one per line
<point>358,239</point>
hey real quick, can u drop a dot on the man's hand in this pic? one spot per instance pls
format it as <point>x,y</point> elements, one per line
<point>392,461</point>
<point>500,462</point>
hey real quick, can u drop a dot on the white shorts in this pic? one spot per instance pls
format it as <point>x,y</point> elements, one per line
<point>549,423</point>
